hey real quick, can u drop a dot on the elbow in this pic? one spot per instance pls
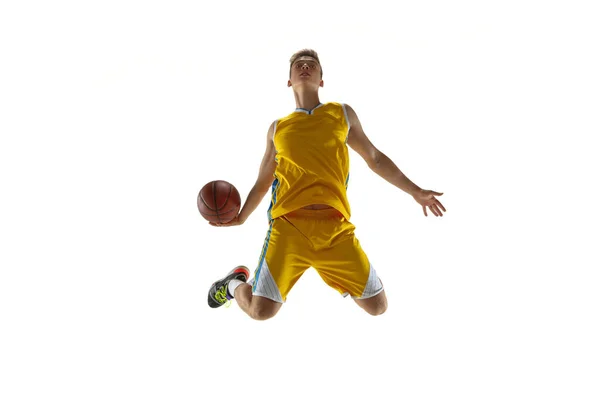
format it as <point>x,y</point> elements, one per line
<point>263,186</point>
<point>374,161</point>
<point>373,165</point>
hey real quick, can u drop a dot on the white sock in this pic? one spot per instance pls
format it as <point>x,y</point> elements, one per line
<point>232,285</point>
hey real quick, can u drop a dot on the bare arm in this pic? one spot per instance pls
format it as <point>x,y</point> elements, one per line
<point>384,167</point>
<point>262,184</point>
<point>375,159</point>
<point>264,179</point>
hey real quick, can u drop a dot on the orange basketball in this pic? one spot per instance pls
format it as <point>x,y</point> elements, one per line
<point>219,202</point>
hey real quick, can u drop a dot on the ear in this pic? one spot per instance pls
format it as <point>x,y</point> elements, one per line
<point>289,83</point>
<point>321,83</point>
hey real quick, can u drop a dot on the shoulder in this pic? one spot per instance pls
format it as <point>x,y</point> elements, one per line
<point>272,129</point>
<point>350,114</point>
<point>338,108</point>
<point>334,104</point>
<point>349,110</point>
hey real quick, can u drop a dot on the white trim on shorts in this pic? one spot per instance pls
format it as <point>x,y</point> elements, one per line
<point>266,286</point>
<point>372,288</point>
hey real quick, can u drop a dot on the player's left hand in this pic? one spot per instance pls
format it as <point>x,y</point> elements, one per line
<point>426,198</point>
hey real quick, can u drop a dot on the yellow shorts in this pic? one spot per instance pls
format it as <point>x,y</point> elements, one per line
<point>322,239</point>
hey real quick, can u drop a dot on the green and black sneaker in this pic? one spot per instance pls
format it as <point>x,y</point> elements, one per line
<point>218,295</point>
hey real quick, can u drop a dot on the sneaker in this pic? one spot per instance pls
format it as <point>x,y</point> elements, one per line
<point>218,295</point>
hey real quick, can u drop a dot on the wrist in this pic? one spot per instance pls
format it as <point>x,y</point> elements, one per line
<point>415,191</point>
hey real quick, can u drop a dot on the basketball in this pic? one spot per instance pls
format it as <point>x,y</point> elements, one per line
<point>219,202</point>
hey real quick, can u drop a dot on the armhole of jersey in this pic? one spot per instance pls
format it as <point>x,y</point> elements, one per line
<point>274,130</point>
<point>347,121</point>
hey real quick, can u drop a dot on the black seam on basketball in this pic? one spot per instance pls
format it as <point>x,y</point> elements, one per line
<point>215,198</point>
<point>203,201</point>
<point>227,199</point>
<point>220,213</point>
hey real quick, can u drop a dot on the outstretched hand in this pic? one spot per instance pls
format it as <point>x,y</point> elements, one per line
<point>426,198</point>
<point>233,222</point>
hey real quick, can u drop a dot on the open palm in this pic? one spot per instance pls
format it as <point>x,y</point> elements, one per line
<point>427,199</point>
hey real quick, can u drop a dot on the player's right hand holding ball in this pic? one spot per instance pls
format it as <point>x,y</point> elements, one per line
<point>235,221</point>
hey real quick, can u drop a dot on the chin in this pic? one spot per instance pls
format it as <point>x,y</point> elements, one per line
<point>306,84</point>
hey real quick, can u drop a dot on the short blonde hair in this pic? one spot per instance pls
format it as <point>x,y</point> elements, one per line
<point>305,52</point>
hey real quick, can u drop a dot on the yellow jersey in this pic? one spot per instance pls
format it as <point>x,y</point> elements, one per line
<point>313,166</point>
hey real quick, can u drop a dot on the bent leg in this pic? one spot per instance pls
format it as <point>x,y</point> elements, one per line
<point>257,307</point>
<point>347,269</point>
<point>375,305</point>
<point>280,266</point>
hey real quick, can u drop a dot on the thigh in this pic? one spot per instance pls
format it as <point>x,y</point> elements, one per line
<point>263,308</point>
<point>282,261</point>
<point>345,266</point>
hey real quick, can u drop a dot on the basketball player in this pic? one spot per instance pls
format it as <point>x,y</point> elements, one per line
<point>307,154</point>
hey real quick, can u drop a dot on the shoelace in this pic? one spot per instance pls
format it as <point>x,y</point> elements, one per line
<point>221,296</point>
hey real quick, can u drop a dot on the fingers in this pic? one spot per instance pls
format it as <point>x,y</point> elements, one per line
<point>435,206</point>
<point>435,209</point>
<point>234,221</point>
<point>432,209</point>
<point>440,205</point>
<point>219,224</point>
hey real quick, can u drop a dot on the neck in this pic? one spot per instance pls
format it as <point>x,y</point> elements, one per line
<point>306,99</point>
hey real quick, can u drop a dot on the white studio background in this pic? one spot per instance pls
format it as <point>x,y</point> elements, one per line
<point>113,114</point>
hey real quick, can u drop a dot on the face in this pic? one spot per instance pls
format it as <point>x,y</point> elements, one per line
<point>305,71</point>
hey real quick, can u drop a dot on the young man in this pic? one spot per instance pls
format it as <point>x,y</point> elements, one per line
<point>309,214</point>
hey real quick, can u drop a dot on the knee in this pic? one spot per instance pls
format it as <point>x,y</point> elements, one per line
<point>377,305</point>
<point>262,313</point>
<point>378,309</point>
